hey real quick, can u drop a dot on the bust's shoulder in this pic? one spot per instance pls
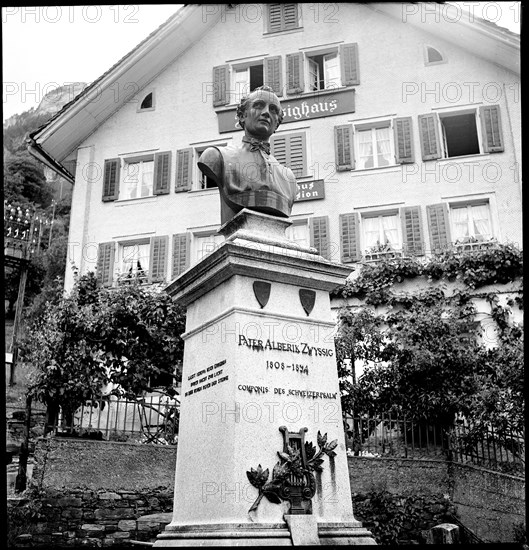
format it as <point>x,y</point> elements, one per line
<point>211,154</point>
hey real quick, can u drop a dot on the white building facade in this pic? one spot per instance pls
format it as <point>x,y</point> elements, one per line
<point>403,129</point>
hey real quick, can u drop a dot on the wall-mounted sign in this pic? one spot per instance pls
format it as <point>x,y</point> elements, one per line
<point>305,107</point>
<point>310,190</point>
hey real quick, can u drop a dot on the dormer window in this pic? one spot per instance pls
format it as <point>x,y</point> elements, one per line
<point>147,102</point>
<point>433,56</point>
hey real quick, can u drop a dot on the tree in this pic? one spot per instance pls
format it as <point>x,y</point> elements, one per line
<point>97,342</point>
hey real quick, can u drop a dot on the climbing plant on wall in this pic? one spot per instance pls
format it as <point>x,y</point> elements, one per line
<point>421,350</point>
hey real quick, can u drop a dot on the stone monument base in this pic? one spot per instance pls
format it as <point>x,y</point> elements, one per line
<point>296,532</point>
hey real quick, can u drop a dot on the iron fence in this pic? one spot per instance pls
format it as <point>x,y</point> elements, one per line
<point>391,436</point>
<point>151,419</point>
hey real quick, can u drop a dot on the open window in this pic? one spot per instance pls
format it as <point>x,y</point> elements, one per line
<point>246,79</point>
<point>459,134</point>
<point>323,71</point>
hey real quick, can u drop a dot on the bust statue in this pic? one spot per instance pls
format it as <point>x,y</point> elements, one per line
<point>248,176</point>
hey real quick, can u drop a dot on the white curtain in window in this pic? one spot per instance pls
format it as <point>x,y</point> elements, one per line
<point>383,146</point>
<point>391,234</point>
<point>136,259</point>
<point>371,232</point>
<point>365,149</point>
<point>480,217</point>
<point>132,172</point>
<point>299,233</point>
<point>143,259</point>
<point>460,223</point>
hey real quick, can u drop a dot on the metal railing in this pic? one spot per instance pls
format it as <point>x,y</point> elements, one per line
<point>385,435</point>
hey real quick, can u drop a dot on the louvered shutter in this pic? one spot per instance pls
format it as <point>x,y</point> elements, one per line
<point>412,233</point>
<point>343,147</point>
<point>162,172</point>
<point>319,235</point>
<point>273,74</point>
<point>350,237</point>
<point>491,128</point>
<point>439,226</point>
<point>158,260</point>
<point>105,263</point>
<point>349,64</point>
<point>184,169</point>
<point>294,62</point>
<point>111,179</point>
<point>220,85</point>
<point>429,132</point>
<point>282,17</point>
<point>181,252</point>
<point>290,150</point>
<point>402,129</point>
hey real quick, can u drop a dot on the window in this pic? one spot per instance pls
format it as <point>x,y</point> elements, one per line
<point>374,147</point>
<point>323,71</point>
<point>466,132</point>
<point>205,244</point>
<point>138,179</point>
<point>470,223</point>
<point>433,56</point>
<point>381,233</point>
<point>282,17</point>
<point>460,134</point>
<point>146,101</point>
<point>298,232</point>
<point>133,262</point>
<point>245,80</point>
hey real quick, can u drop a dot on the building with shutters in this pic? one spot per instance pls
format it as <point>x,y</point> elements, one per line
<point>402,125</point>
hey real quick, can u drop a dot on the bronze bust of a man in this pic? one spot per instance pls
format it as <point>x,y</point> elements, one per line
<point>248,176</point>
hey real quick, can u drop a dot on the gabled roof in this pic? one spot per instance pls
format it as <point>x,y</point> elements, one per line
<point>57,140</point>
<point>60,136</point>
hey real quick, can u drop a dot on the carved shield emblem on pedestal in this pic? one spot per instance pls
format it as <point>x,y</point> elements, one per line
<point>307,299</point>
<point>261,289</point>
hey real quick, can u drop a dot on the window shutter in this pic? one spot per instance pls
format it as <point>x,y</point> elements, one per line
<point>290,150</point>
<point>162,172</point>
<point>181,252</point>
<point>273,75</point>
<point>350,237</point>
<point>282,17</point>
<point>343,147</point>
<point>319,235</point>
<point>439,226</point>
<point>412,234</point>
<point>184,169</point>
<point>349,64</point>
<point>429,132</point>
<point>158,261</point>
<point>220,85</point>
<point>111,179</point>
<point>295,83</point>
<point>402,129</point>
<point>105,263</point>
<point>491,128</point>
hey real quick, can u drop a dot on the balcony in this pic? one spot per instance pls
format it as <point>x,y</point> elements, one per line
<point>381,252</point>
<point>473,244</point>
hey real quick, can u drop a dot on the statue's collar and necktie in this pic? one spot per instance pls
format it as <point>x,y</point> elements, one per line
<point>257,144</point>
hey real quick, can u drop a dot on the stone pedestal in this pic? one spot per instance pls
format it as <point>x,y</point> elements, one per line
<point>259,364</point>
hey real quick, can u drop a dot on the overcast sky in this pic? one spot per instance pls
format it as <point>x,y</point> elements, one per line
<point>45,47</point>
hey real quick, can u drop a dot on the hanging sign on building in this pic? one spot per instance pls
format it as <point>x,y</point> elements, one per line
<point>305,107</point>
<point>310,190</point>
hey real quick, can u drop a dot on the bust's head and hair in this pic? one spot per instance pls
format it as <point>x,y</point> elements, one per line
<point>247,101</point>
<point>247,175</point>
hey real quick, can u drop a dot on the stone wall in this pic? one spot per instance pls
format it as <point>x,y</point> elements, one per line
<point>95,492</point>
<point>488,503</point>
